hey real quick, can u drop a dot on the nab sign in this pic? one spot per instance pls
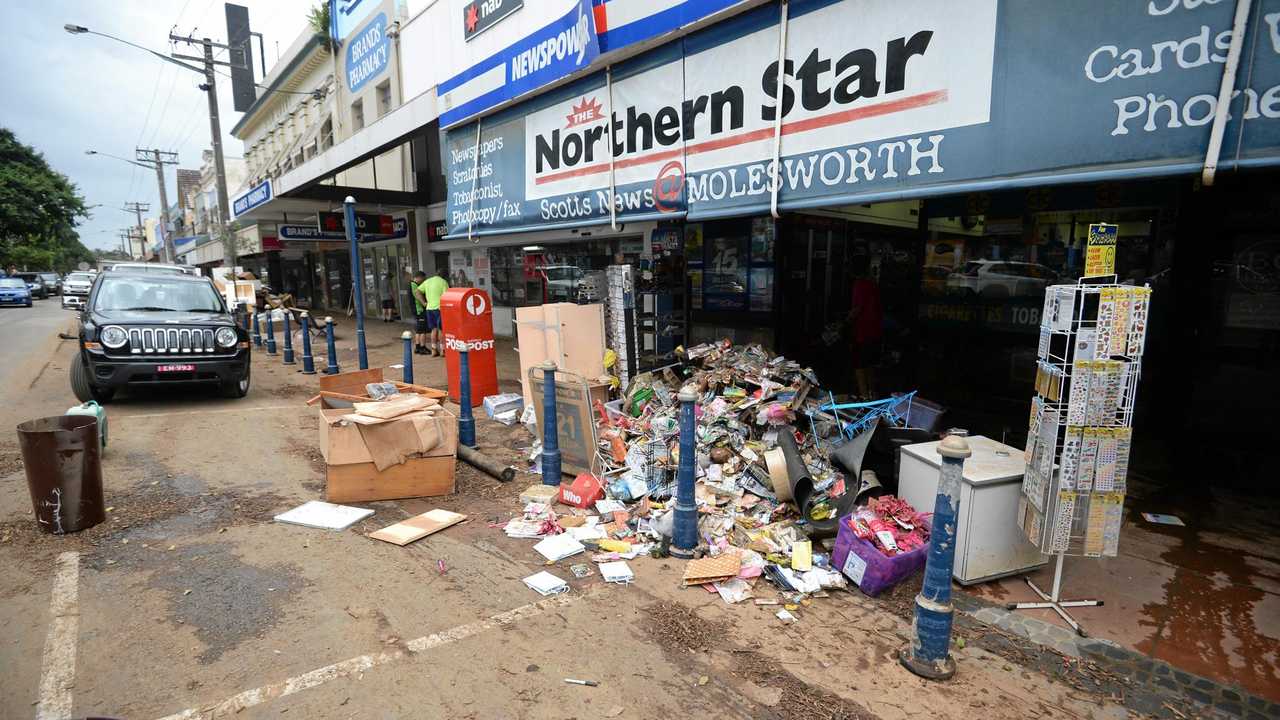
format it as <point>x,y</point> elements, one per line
<point>480,15</point>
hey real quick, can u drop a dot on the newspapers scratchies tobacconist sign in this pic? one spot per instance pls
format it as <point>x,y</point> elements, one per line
<point>877,101</point>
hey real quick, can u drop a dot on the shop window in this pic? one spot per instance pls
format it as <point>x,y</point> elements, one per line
<point>357,115</point>
<point>384,98</point>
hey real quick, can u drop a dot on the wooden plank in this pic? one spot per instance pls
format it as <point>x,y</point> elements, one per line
<point>416,477</point>
<point>417,527</point>
<point>394,406</point>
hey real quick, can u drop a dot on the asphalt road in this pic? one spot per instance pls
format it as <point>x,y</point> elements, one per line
<point>26,329</point>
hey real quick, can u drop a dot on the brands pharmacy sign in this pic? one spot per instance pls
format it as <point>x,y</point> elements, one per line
<point>877,101</point>
<point>368,53</point>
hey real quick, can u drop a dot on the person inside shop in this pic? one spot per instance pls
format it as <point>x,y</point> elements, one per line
<point>866,327</point>
<point>388,301</point>
<point>426,296</point>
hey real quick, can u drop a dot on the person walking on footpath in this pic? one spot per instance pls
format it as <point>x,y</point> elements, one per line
<point>388,301</point>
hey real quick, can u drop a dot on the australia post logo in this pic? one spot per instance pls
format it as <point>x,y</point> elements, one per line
<point>457,345</point>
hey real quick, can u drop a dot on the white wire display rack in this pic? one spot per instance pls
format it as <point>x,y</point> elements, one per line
<point>1092,336</point>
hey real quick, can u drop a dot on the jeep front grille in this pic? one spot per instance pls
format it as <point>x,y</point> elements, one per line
<point>171,341</point>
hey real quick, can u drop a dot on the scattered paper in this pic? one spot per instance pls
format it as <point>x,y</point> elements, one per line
<point>604,507</point>
<point>785,616</point>
<point>802,555</point>
<point>546,583</point>
<point>323,515</point>
<point>733,591</point>
<point>1162,519</point>
<point>559,547</point>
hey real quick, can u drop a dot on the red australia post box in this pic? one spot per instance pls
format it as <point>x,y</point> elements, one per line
<point>467,316</point>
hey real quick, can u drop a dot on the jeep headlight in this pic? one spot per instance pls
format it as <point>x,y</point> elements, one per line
<point>225,337</point>
<point>113,337</point>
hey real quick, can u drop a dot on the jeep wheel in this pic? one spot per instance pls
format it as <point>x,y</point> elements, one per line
<point>83,389</point>
<point>237,388</point>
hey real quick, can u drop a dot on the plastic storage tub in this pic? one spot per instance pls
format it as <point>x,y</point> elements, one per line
<point>871,570</point>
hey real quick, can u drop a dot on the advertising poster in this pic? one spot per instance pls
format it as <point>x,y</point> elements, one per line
<point>724,284</point>
<point>761,289</point>
<point>470,268</point>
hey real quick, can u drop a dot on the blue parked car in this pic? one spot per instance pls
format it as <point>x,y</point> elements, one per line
<point>13,291</point>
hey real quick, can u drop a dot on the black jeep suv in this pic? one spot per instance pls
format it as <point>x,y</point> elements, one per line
<point>149,329</point>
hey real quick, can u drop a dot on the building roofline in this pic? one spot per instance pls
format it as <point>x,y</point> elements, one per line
<point>315,41</point>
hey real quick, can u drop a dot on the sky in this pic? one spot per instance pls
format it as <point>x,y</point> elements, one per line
<point>65,94</point>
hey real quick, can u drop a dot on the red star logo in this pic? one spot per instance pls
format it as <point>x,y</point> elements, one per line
<point>585,112</point>
<point>473,18</point>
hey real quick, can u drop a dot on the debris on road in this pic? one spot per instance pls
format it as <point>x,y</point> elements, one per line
<point>418,527</point>
<point>323,515</point>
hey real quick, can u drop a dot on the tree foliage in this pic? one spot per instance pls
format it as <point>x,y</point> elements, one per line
<point>39,211</point>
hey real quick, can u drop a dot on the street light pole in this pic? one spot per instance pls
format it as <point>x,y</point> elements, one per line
<point>210,86</point>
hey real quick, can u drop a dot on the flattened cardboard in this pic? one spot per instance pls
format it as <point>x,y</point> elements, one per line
<point>720,567</point>
<point>394,406</point>
<point>417,527</point>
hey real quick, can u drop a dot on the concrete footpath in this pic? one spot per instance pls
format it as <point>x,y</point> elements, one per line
<point>189,602</point>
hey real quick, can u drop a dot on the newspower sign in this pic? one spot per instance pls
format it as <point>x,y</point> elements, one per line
<point>877,100</point>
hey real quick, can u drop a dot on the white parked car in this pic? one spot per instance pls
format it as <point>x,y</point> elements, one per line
<point>75,289</point>
<point>1000,279</point>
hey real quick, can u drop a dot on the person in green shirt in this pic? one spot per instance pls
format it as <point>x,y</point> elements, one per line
<point>426,297</point>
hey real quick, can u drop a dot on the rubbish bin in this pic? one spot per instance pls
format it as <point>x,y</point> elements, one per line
<point>64,472</point>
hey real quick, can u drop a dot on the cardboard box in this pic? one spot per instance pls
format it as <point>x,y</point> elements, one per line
<point>352,475</point>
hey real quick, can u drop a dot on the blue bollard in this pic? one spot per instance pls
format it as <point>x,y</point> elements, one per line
<point>271,336</point>
<point>257,335</point>
<point>408,356</point>
<point>357,274</point>
<point>467,421</point>
<point>684,537</point>
<point>333,348</point>
<point>244,314</point>
<point>308,362</point>
<point>550,438</point>
<point>288,341</point>
<point>929,654</point>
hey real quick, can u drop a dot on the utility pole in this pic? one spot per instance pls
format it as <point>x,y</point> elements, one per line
<point>210,87</point>
<point>158,159</point>
<point>138,208</point>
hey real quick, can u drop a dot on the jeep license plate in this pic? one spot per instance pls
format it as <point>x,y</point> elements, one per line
<point>175,368</point>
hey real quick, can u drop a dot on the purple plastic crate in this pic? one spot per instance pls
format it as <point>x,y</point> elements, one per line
<point>868,568</point>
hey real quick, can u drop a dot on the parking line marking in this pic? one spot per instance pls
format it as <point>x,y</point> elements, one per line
<point>251,408</point>
<point>58,667</point>
<point>362,663</point>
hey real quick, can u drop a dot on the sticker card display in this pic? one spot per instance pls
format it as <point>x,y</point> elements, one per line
<point>1070,458</point>
<point>1124,443</point>
<point>1104,474</point>
<point>1042,350</point>
<point>1060,535</point>
<point>1063,308</point>
<point>1114,514</point>
<point>1105,326</point>
<point>1120,324</point>
<point>1086,343</point>
<point>1080,376</point>
<point>1048,445</point>
<point>1088,459</point>
<point>1139,307</point>
<point>1095,527</point>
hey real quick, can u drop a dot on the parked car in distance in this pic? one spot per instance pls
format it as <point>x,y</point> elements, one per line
<point>135,267</point>
<point>142,329</point>
<point>13,291</point>
<point>52,281</point>
<point>1001,279</point>
<point>34,284</point>
<point>75,289</point>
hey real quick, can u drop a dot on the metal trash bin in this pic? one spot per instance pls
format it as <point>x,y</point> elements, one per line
<point>63,462</point>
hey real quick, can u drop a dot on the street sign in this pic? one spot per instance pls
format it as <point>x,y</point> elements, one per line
<point>575,424</point>
<point>1100,255</point>
<point>366,224</point>
<point>257,195</point>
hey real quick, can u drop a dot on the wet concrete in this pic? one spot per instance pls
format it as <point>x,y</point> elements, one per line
<point>1204,597</point>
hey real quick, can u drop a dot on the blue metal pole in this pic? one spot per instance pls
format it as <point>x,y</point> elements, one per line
<point>288,341</point>
<point>246,312</point>
<point>929,654</point>
<point>550,437</point>
<point>466,421</point>
<point>357,278</point>
<point>257,334</point>
<point>308,362</point>
<point>684,537</point>
<point>408,356</point>
<point>333,347</point>
<point>271,336</point>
